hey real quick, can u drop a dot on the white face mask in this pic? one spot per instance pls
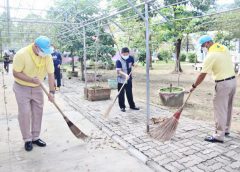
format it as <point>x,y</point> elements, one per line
<point>41,54</point>
<point>205,50</point>
<point>125,57</point>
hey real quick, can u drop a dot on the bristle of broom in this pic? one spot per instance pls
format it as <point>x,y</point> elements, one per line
<point>78,133</point>
<point>166,129</point>
<point>106,114</point>
<point>75,130</point>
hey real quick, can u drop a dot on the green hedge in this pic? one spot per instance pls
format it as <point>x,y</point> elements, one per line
<point>192,57</point>
<point>164,55</point>
<point>183,57</point>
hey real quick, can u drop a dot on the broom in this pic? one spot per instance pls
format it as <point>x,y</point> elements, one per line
<point>75,130</point>
<point>107,112</point>
<point>167,128</point>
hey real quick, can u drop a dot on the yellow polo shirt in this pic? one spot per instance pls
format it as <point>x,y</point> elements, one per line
<point>218,62</point>
<point>27,62</point>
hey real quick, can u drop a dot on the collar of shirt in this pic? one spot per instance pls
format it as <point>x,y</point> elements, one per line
<point>217,48</point>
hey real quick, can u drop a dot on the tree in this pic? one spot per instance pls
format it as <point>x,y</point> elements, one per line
<point>70,37</point>
<point>175,27</point>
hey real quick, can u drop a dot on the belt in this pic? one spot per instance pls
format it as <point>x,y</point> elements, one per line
<point>232,77</point>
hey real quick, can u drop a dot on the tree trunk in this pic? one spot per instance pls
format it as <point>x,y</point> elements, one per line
<point>73,69</point>
<point>82,69</point>
<point>187,44</point>
<point>178,48</point>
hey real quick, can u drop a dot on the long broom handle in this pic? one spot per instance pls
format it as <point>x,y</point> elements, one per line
<point>186,100</point>
<point>55,104</point>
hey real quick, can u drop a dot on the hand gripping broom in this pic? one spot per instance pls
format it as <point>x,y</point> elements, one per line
<point>75,130</point>
<point>167,128</point>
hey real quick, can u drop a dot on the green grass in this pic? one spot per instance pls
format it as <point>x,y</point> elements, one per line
<point>171,90</point>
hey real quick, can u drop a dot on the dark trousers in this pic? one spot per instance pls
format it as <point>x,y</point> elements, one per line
<point>6,66</point>
<point>121,98</point>
<point>57,74</point>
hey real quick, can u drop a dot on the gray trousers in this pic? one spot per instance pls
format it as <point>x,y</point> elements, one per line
<point>30,109</point>
<point>223,103</point>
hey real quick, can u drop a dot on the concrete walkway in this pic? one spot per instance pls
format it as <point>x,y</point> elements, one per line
<point>63,152</point>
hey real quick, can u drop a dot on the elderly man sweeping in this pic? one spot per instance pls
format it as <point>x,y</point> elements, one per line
<point>30,65</point>
<point>218,62</point>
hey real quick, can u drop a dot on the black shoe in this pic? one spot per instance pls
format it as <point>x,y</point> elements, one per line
<point>28,146</point>
<point>123,110</point>
<point>212,139</point>
<point>227,134</point>
<point>135,108</point>
<point>39,142</point>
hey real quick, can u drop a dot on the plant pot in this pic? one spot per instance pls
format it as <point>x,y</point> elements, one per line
<point>72,74</point>
<point>112,83</point>
<point>97,93</point>
<point>173,98</point>
<point>90,77</point>
<point>63,70</point>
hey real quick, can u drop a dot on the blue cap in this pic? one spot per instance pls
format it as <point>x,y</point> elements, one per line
<point>203,39</point>
<point>44,44</point>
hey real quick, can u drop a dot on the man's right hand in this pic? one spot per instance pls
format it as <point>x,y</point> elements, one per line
<point>35,80</point>
<point>126,77</point>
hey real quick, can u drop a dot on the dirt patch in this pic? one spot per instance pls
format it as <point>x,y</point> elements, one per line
<point>199,106</point>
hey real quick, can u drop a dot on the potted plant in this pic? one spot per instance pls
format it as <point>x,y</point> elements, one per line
<point>95,93</point>
<point>172,96</point>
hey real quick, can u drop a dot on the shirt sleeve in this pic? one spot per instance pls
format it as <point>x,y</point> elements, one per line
<point>49,65</point>
<point>18,63</point>
<point>60,58</point>
<point>133,61</point>
<point>118,65</point>
<point>208,64</point>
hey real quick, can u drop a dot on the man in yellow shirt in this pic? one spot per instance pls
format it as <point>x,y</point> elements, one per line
<point>218,62</point>
<point>30,65</point>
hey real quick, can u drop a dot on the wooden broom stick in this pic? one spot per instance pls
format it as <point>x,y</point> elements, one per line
<point>75,130</point>
<point>107,112</point>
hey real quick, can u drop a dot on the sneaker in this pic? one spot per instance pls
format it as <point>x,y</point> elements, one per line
<point>57,88</point>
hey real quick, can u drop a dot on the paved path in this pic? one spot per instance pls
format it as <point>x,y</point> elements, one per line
<point>185,152</point>
<point>63,152</point>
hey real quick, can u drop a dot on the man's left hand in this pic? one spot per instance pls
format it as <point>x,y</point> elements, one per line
<point>193,88</point>
<point>51,97</point>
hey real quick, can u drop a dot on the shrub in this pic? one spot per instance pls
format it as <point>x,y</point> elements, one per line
<point>183,57</point>
<point>192,57</point>
<point>164,55</point>
<point>142,57</point>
